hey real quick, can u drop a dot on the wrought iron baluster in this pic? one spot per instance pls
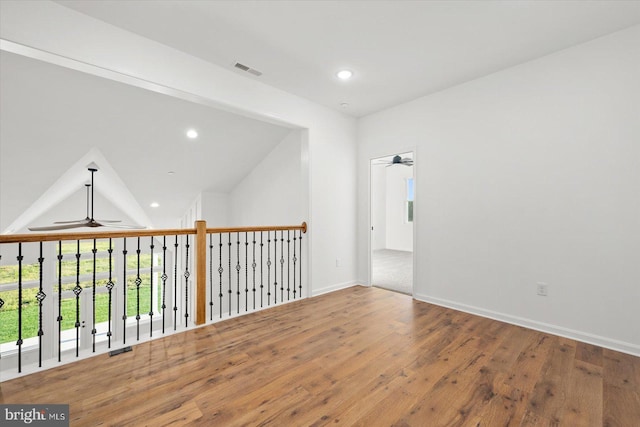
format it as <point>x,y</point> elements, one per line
<point>230,291</point>
<point>77,290</point>
<point>268,267</point>
<point>59,318</point>
<point>125,285</point>
<point>110,286</point>
<point>19,342</point>
<point>175,285</point>
<point>289,265</point>
<point>151,247</point>
<point>253,266</point>
<point>275,267</point>
<point>164,279</point>
<point>246,273</point>
<point>40,296</point>
<point>138,283</point>
<point>186,284</point>
<point>300,265</point>
<point>261,268</point>
<point>94,251</point>
<point>294,263</point>
<point>238,271</point>
<point>281,266</point>
<point>220,271</point>
<point>210,276</point>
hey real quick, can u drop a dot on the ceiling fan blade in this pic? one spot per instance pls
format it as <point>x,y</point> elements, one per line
<point>108,220</point>
<point>59,227</point>
<point>72,222</point>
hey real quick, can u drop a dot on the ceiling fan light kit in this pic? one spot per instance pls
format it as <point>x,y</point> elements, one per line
<point>89,221</point>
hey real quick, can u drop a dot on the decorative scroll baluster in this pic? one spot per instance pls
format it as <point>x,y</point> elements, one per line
<point>300,265</point>
<point>275,267</point>
<point>93,299</point>
<point>59,318</point>
<point>253,266</point>
<point>210,276</point>
<point>138,283</point>
<point>294,263</point>
<point>186,284</point>
<point>77,290</point>
<point>19,342</point>
<point>281,266</point>
<point>164,279</point>
<point>40,296</point>
<point>230,291</point>
<point>289,265</point>
<point>110,286</point>
<point>261,268</point>
<point>220,271</point>
<point>268,268</point>
<point>175,285</point>
<point>124,290</point>
<point>238,271</point>
<point>151,247</point>
<point>246,273</point>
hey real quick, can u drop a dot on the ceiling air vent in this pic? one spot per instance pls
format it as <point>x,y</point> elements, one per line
<point>247,69</point>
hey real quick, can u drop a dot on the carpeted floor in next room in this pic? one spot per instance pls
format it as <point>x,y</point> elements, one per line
<point>393,270</point>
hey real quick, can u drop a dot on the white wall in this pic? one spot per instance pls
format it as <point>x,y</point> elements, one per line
<point>378,206</point>
<point>399,230</point>
<point>54,31</point>
<point>210,206</point>
<point>528,175</point>
<point>274,192</point>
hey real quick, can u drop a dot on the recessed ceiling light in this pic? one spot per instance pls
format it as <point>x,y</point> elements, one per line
<point>154,204</point>
<point>344,74</point>
<point>192,133</point>
<point>344,105</point>
<point>171,172</point>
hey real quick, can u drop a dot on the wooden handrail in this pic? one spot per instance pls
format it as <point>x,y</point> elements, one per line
<point>302,227</point>
<point>49,237</point>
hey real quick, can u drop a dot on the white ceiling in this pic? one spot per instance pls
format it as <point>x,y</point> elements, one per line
<point>398,50</point>
<point>54,119</point>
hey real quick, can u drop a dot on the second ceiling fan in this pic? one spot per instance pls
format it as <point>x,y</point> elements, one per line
<point>89,221</point>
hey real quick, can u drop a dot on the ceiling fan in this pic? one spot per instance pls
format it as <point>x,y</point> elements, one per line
<point>89,221</point>
<point>397,160</point>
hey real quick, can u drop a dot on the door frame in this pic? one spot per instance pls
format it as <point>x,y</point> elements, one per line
<point>413,151</point>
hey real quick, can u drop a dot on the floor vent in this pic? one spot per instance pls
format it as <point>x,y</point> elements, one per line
<point>119,351</point>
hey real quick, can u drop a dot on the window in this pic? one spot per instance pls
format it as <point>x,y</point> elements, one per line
<point>409,199</point>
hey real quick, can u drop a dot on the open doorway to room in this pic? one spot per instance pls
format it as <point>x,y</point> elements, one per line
<point>391,215</point>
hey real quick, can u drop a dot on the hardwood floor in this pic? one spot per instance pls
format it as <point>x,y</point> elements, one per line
<point>360,356</point>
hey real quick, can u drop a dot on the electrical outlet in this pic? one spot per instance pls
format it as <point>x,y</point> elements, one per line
<point>542,289</point>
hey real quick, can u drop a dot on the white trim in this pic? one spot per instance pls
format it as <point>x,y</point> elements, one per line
<point>622,346</point>
<point>333,288</point>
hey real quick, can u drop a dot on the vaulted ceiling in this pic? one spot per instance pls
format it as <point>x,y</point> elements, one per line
<point>54,118</point>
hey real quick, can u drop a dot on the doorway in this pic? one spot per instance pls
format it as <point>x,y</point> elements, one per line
<point>391,218</point>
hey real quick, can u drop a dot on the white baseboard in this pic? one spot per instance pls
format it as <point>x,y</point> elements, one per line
<point>332,288</point>
<point>622,346</point>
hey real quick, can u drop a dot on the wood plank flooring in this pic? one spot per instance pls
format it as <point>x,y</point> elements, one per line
<point>360,356</point>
